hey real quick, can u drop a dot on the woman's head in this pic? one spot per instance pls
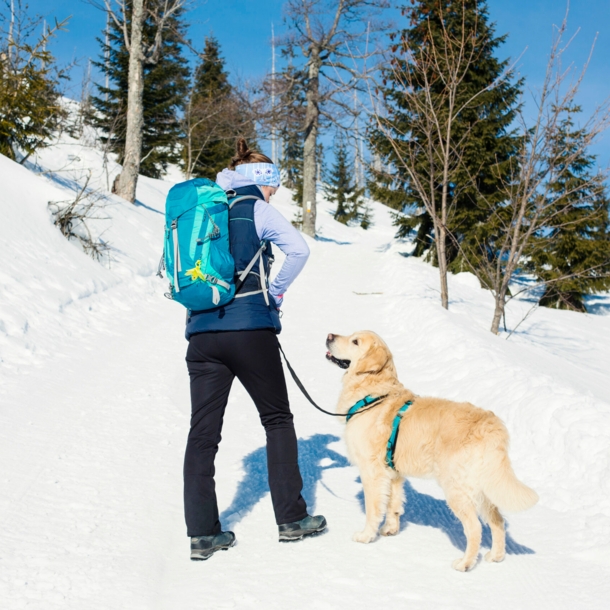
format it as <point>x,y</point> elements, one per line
<point>256,166</point>
<point>244,155</point>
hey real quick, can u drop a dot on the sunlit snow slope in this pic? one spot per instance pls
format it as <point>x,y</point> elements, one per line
<point>94,412</point>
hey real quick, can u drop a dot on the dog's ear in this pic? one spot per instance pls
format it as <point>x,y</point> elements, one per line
<point>373,361</point>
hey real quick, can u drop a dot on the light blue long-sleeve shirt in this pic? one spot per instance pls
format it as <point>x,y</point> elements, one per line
<point>272,226</point>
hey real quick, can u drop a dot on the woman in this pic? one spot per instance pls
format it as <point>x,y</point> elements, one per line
<point>239,340</point>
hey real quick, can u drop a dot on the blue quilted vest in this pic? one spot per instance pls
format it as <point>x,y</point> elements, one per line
<point>249,310</point>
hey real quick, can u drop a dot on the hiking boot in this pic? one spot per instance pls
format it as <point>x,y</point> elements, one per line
<point>203,547</point>
<point>299,529</point>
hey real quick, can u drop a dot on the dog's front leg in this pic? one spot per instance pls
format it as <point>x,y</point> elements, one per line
<point>395,507</point>
<point>376,486</point>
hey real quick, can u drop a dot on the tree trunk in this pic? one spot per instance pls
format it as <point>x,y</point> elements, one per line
<point>126,182</point>
<point>498,311</point>
<point>441,247</point>
<point>189,150</point>
<point>312,118</point>
<point>441,232</point>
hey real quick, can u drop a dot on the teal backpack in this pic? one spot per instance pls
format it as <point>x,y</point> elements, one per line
<point>196,254</point>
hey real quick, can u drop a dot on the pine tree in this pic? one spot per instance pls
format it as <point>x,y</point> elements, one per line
<point>482,132</point>
<point>211,83</point>
<point>341,188</point>
<point>165,86</point>
<point>571,252</point>
<point>216,116</point>
<point>30,105</point>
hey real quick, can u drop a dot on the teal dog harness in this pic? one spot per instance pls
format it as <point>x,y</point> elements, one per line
<point>365,402</point>
<point>391,446</point>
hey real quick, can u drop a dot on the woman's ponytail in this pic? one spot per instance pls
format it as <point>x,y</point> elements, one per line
<point>243,154</point>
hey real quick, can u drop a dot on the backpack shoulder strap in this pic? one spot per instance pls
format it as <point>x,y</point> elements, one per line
<point>259,254</point>
<point>234,200</point>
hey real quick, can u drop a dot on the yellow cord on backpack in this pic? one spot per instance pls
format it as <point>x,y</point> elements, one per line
<point>195,273</point>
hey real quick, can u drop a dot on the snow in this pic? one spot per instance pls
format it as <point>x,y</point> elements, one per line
<point>94,413</point>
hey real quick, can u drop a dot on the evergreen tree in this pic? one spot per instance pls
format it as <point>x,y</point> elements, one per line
<point>165,86</point>
<point>341,188</point>
<point>212,110</point>
<point>30,104</point>
<point>482,131</point>
<point>571,252</point>
<point>217,114</point>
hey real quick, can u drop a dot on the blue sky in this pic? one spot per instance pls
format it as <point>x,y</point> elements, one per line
<point>243,28</point>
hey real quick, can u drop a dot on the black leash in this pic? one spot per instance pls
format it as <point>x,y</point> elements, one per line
<point>311,400</point>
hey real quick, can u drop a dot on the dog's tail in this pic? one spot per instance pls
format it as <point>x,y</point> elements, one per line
<point>503,488</point>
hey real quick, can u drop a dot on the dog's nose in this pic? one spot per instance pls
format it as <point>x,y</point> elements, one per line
<point>330,338</point>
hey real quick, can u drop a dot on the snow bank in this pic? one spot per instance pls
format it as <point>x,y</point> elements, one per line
<point>45,280</point>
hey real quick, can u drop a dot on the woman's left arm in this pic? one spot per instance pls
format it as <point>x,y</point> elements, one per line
<point>272,226</point>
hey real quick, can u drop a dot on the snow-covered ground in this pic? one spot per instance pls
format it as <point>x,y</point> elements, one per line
<point>94,413</point>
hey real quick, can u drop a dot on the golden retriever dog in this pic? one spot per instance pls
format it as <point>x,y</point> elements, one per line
<point>463,447</point>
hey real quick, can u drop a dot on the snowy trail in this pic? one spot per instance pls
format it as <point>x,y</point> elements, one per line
<point>95,411</point>
<point>96,461</point>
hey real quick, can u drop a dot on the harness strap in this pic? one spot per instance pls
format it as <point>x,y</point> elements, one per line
<point>391,447</point>
<point>365,402</point>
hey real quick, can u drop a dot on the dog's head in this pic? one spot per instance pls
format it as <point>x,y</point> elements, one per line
<point>363,352</point>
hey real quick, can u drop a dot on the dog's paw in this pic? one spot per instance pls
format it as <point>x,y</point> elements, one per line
<point>390,529</point>
<point>492,556</point>
<point>364,537</point>
<point>461,565</point>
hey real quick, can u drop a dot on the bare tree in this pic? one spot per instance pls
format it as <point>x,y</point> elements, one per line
<point>208,120</point>
<point>332,36</point>
<point>428,81</point>
<point>140,53</point>
<point>199,114</point>
<point>531,201</point>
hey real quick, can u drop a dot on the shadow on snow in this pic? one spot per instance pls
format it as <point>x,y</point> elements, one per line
<point>422,509</point>
<point>139,204</point>
<point>334,241</point>
<point>314,458</point>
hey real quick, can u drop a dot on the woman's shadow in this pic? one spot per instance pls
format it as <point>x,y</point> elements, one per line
<point>314,458</point>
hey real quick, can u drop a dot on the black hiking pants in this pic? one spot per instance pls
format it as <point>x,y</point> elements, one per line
<point>214,359</point>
